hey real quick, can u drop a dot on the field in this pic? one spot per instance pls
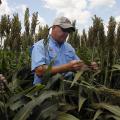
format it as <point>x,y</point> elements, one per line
<point>89,95</point>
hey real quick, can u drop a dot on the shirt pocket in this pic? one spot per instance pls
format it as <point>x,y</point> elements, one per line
<point>69,56</point>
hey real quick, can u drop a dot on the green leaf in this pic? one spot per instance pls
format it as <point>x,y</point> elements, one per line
<point>66,107</point>
<point>28,92</point>
<point>111,108</point>
<point>47,73</point>
<point>34,90</point>
<point>113,116</point>
<point>97,114</point>
<point>19,95</point>
<point>53,80</point>
<point>77,76</point>
<point>2,106</point>
<point>81,102</point>
<point>117,66</point>
<point>24,112</point>
<point>16,105</point>
<point>96,73</point>
<point>65,116</point>
<point>48,112</point>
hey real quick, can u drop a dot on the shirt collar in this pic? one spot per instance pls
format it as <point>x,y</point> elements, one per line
<point>53,41</point>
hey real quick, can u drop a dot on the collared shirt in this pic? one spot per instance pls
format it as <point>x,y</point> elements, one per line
<point>61,54</point>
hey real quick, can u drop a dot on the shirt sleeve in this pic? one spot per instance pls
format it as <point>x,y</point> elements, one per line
<point>75,57</point>
<point>38,56</point>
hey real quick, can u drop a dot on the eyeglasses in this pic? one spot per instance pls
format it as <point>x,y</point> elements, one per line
<point>66,30</point>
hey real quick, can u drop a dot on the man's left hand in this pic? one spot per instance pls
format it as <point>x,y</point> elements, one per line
<point>94,66</point>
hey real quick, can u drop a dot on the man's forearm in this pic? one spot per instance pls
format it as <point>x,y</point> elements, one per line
<point>55,69</point>
<point>60,69</point>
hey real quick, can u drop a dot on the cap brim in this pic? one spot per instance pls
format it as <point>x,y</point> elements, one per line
<point>67,26</point>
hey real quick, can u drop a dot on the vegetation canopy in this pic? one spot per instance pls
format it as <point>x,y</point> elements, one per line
<point>89,95</point>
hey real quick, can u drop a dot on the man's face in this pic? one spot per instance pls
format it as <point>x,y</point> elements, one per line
<point>60,34</point>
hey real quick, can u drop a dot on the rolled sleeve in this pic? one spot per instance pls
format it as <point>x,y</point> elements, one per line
<point>38,56</point>
<point>75,55</point>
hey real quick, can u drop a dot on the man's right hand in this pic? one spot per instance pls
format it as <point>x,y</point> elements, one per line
<point>75,65</point>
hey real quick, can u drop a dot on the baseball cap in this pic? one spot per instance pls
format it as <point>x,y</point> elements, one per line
<point>64,23</point>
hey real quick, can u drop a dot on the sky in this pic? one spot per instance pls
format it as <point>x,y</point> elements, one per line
<point>80,10</point>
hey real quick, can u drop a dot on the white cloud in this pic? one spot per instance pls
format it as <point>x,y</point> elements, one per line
<point>106,28</point>
<point>73,9</point>
<point>56,4</point>
<point>78,9</point>
<point>10,10</point>
<point>98,3</point>
<point>20,9</point>
<point>4,8</point>
<point>117,19</point>
<point>41,22</point>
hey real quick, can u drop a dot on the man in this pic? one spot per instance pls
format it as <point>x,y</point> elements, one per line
<point>58,50</point>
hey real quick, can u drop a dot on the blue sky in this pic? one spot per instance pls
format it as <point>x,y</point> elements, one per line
<point>81,10</point>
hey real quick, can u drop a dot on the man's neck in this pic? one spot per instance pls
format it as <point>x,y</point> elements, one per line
<point>57,41</point>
